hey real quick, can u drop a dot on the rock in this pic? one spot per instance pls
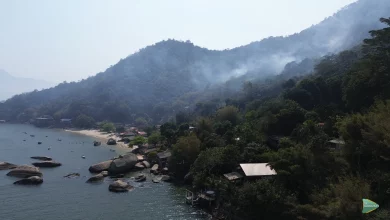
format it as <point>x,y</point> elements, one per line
<point>97,143</point>
<point>7,166</point>
<point>71,175</point>
<point>104,173</point>
<point>97,178</point>
<point>123,164</point>
<point>33,180</point>
<point>155,180</point>
<point>25,171</point>
<point>41,158</point>
<point>146,164</point>
<point>139,166</point>
<point>119,186</point>
<point>47,164</point>
<point>166,178</point>
<point>99,167</point>
<point>111,141</point>
<point>154,169</point>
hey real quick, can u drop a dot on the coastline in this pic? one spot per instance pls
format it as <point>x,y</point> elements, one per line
<point>101,136</point>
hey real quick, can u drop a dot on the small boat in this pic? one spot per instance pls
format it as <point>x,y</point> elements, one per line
<point>24,140</point>
<point>112,150</point>
<point>46,136</point>
<point>140,178</point>
<point>49,148</point>
<point>32,135</point>
<point>83,157</point>
<point>39,142</point>
<point>97,143</point>
<point>58,139</point>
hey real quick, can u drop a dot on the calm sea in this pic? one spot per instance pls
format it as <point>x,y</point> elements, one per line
<point>60,198</point>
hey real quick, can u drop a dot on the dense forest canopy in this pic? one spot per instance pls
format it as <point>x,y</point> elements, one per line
<point>347,99</point>
<point>171,76</point>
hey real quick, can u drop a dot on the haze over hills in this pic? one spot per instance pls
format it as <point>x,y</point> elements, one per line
<point>11,85</point>
<point>150,82</point>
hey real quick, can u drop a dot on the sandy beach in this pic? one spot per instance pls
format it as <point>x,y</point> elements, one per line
<point>101,136</point>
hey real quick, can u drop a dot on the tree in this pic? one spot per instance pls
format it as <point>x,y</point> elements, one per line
<point>108,127</point>
<point>84,121</point>
<point>228,113</point>
<point>141,122</point>
<point>138,140</point>
<point>184,153</point>
<point>154,138</point>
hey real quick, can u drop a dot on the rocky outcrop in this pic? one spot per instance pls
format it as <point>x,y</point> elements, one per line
<point>7,166</point>
<point>99,167</point>
<point>111,141</point>
<point>97,178</point>
<point>33,180</point>
<point>104,173</point>
<point>139,166</point>
<point>72,175</point>
<point>165,178</point>
<point>119,186</point>
<point>25,171</point>
<point>154,169</point>
<point>49,163</point>
<point>123,164</point>
<point>43,158</point>
<point>146,164</point>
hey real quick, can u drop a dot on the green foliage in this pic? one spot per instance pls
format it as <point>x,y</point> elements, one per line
<point>138,140</point>
<point>184,153</point>
<point>107,127</point>
<point>84,121</point>
<point>228,113</point>
<point>154,138</point>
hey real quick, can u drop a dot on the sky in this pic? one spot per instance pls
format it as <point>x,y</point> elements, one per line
<point>69,40</point>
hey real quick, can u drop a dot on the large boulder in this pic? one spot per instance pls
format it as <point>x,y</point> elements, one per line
<point>7,166</point>
<point>123,164</point>
<point>99,167</point>
<point>97,178</point>
<point>111,141</point>
<point>33,180</point>
<point>166,178</point>
<point>44,158</point>
<point>48,163</point>
<point>146,164</point>
<point>25,171</point>
<point>139,166</point>
<point>120,186</point>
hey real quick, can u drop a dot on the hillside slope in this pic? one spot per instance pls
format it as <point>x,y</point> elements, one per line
<point>148,83</point>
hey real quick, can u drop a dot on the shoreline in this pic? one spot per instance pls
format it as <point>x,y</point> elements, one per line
<point>101,136</point>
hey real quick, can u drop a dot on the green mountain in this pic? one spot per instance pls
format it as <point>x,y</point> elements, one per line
<point>152,82</point>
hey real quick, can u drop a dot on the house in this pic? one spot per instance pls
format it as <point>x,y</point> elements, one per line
<point>127,134</point>
<point>336,144</point>
<point>163,158</point>
<point>257,170</point>
<point>44,121</point>
<point>142,133</point>
<point>233,176</point>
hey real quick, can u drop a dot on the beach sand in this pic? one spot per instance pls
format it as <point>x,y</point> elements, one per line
<point>101,136</point>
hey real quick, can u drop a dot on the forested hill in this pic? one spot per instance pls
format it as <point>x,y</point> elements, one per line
<point>148,83</point>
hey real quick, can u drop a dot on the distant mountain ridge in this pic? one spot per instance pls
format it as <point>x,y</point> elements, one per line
<point>11,85</point>
<point>152,82</point>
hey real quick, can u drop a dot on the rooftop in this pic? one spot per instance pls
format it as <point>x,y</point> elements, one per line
<point>257,169</point>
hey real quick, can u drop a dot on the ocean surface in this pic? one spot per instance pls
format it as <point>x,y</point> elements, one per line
<point>60,198</point>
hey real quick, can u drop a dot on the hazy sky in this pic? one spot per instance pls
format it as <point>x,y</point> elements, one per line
<point>73,39</point>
